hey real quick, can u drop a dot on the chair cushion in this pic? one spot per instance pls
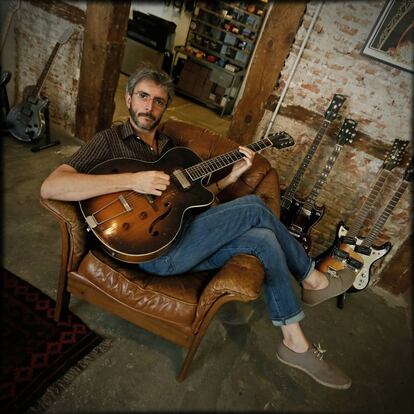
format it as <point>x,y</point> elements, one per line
<point>169,298</point>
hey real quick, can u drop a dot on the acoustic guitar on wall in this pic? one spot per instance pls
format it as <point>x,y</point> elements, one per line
<point>26,121</point>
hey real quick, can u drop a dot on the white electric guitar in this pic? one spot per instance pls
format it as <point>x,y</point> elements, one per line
<point>349,248</point>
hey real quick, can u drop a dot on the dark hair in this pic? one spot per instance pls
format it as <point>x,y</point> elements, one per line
<point>148,72</point>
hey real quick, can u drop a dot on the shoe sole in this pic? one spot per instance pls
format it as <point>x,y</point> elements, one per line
<point>326,384</point>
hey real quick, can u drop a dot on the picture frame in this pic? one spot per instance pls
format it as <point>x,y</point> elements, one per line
<point>391,40</point>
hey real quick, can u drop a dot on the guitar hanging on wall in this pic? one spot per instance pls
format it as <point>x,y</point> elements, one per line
<point>134,227</point>
<point>304,214</point>
<point>348,246</point>
<point>26,121</point>
<point>330,114</point>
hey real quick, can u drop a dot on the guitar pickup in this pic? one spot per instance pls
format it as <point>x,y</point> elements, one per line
<point>363,249</point>
<point>355,264</point>
<point>340,254</point>
<point>295,230</point>
<point>347,240</point>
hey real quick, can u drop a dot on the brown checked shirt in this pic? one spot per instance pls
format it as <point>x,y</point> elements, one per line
<point>119,141</point>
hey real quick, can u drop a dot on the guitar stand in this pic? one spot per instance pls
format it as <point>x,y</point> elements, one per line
<point>44,140</point>
<point>340,300</point>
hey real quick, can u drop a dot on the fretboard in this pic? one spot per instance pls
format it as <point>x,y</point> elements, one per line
<point>311,199</point>
<point>42,78</point>
<point>291,190</point>
<point>366,207</point>
<point>205,168</point>
<point>376,228</point>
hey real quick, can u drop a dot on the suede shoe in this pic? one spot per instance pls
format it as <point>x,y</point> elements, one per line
<point>311,362</point>
<point>338,282</point>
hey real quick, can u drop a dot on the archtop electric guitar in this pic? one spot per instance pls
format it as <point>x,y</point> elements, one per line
<point>330,115</point>
<point>304,214</point>
<point>349,249</point>
<point>26,121</point>
<point>135,227</point>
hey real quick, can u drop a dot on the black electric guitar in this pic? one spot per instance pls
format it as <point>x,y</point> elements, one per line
<point>348,249</point>
<point>304,214</point>
<point>26,121</point>
<point>135,227</point>
<point>330,114</point>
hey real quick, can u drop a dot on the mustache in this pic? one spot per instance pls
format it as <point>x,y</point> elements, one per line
<point>147,114</point>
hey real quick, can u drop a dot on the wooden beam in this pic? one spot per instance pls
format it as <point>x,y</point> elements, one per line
<point>271,52</point>
<point>104,42</point>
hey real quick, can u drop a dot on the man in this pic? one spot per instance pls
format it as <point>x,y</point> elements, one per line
<point>243,225</point>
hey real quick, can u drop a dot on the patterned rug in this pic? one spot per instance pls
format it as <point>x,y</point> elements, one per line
<point>39,357</point>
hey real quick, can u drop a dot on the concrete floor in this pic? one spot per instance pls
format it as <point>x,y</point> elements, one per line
<point>235,368</point>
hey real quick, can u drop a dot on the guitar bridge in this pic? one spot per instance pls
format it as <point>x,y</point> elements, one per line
<point>91,220</point>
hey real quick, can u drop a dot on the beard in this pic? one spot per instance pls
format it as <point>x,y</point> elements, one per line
<point>142,125</point>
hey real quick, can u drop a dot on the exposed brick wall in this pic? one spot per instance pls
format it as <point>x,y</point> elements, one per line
<point>379,98</point>
<point>36,32</point>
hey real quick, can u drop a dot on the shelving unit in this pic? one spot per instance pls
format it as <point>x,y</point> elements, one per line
<point>220,42</point>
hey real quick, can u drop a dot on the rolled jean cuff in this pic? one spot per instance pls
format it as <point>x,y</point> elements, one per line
<point>309,271</point>
<point>297,318</point>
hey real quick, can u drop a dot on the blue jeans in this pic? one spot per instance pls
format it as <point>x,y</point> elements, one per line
<point>244,225</point>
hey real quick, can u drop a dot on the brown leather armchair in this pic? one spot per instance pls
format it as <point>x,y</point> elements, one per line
<point>177,308</point>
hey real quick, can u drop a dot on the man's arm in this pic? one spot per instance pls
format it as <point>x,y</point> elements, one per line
<point>67,184</point>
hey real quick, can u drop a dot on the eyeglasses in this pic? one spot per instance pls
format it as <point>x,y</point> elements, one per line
<point>145,98</point>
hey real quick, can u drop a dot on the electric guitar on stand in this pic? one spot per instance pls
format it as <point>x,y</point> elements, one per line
<point>26,121</point>
<point>348,248</point>
<point>330,114</point>
<point>304,214</point>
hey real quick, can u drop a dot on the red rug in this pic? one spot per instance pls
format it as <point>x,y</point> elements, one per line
<point>37,352</point>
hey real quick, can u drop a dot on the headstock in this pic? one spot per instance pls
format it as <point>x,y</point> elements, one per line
<point>281,140</point>
<point>334,107</point>
<point>347,132</point>
<point>395,154</point>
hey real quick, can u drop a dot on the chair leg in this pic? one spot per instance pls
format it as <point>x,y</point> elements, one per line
<point>63,296</point>
<point>190,356</point>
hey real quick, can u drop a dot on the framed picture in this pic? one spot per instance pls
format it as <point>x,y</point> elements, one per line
<point>391,40</point>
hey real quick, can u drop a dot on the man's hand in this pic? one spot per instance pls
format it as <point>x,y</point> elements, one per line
<point>243,165</point>
<point>150,182</point>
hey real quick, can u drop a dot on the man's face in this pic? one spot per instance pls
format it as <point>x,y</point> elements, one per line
<point>147,105</point>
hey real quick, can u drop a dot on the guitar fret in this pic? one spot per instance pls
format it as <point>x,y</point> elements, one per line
<point>207,167</point>
<point>367,205</point>
<point>291,190</point>
<point>310,201</point>
<point>372,235</point>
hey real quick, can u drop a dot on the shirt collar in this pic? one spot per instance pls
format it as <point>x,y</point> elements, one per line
<point>127,131</point>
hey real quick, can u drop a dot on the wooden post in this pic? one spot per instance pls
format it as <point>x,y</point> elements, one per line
<point>271,51</point>
<point>104,42</point>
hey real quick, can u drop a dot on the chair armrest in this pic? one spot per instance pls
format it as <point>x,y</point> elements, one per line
<point>73,230</point>
<point>241,278</point>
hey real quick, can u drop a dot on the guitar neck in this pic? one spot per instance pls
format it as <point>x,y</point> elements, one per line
<point>356,226</point>
<point>42,78</point>
<point>376,228</point>
<point>310,201</point>
<point>291,190</point>
<point>205,168</point>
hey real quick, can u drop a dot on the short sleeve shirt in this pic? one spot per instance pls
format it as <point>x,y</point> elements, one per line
<point>119,141</point>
